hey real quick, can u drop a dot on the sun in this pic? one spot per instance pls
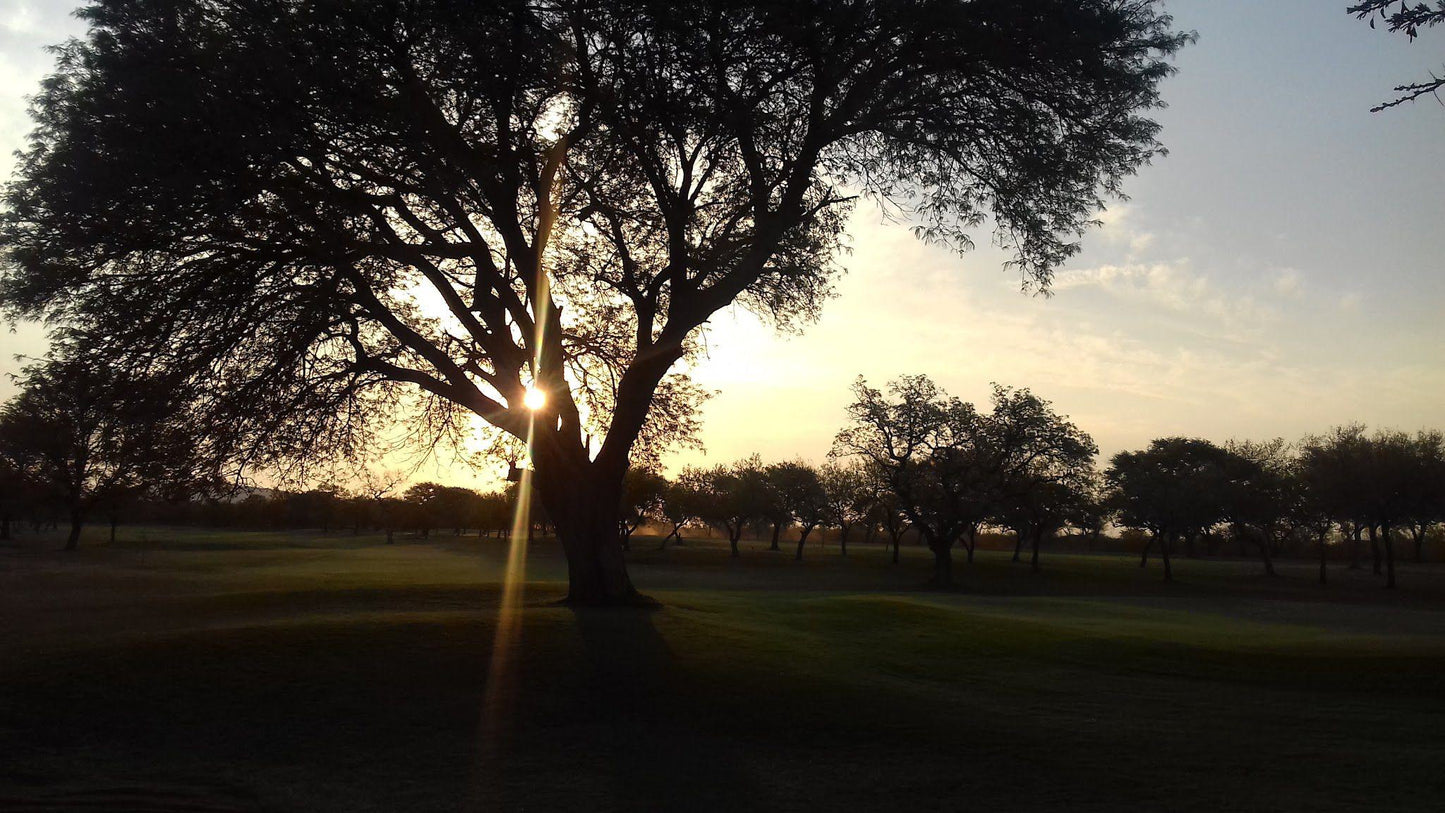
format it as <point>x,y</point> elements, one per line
<point>535,399</point>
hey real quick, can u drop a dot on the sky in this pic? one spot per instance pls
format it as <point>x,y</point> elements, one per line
<point>1281,271</point>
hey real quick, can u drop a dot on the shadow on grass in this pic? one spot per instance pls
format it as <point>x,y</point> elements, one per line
<point>627,724</point>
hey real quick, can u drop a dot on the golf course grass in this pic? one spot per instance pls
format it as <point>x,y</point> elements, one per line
<point>226,671</point>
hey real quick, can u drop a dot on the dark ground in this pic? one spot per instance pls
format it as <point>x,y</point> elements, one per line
<point>185,670</point>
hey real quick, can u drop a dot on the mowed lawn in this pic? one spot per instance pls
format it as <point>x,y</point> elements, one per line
<point>214,671</point>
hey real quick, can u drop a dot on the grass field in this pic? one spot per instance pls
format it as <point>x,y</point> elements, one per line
<point>298,672</point>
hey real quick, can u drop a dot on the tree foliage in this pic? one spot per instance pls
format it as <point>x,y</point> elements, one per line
<point>1407,17</point>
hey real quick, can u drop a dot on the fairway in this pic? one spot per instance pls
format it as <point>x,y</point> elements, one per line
<point>301,672</point>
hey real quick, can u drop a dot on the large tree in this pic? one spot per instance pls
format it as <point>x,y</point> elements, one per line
<point>319,207</point>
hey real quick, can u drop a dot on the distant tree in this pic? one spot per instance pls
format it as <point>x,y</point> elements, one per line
<point>1425,488</point>
<point>1043,465</point>
<point>1091,514</point>
<point>932,452</point>
<point>1406,17</point>
<point>773,509</point>
<point>734,496</point>
<point>96,443</point>
<point>682,502</point>
<point>1332,470</point>
<point>643,493</point>
<point>1387,472</point>
<point>801,493</point>
<point>1171,489</point>
<point>433,505</point>
<point>885,511</point>
<point>579,185</point>
<point>1263,495</point>
<point>16,487</point>
<point>845,488</point>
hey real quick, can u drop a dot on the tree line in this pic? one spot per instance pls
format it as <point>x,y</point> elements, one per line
<point>911,461</point>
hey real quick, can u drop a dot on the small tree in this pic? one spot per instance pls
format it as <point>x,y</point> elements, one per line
<point>1263,495</point>
<point>95,442</point>
<point>1170,489</point>
<point>932,452</point>
<point>643,493</point>
<point>734,496</point>
<point>1043,465</point>
<point>683,502</point>
<point>845,488</point>
<point>801,493</point>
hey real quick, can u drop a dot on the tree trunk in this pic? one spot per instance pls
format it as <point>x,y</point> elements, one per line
<point>582,505</point>
<point>1164,554</point>
<point>1322,539</point>
<point>114,522</point>
<point>1375,549</point>
<point>733,537</point>
<point>77,521</point>
<point>777,531</point>
<point>942,564</point>
<point>1018,544</point>
<point>1417,534</point>
<point>1144,560</point>
<point>802,539</point>
<point>843,540</point>
<point>1264,554</point>
<point>972,537</point>
<point>1355,546</point>
<point>1389,555</point>
<point>1038,536</point>
<point>895,546</point>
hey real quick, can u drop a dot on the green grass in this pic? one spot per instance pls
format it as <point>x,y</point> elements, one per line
<point>301,672</point>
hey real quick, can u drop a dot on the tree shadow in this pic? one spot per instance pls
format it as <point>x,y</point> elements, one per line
<point>659,746</point>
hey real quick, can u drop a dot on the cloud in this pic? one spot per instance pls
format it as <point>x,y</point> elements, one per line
<point>1287,282</point>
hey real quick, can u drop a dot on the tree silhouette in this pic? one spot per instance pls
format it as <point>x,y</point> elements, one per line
<point>1044,465</point>
<point>1406,17</point>
<point>1171,489</point>
<point>336,205</point>
<point>91,442</point>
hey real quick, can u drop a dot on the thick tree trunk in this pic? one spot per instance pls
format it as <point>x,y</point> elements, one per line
<point>583,507</point>
<point>843,540</point>
<point>972,541</point>
<point>942,564</point>
<point>1038,536</point>
<point>1375,549</point>
<point>895,538</point>
<point>1355,546</point>
<point>733,537</point>
<point>802,540</point>
<point>777,532</point>
<point>1018,544</point>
